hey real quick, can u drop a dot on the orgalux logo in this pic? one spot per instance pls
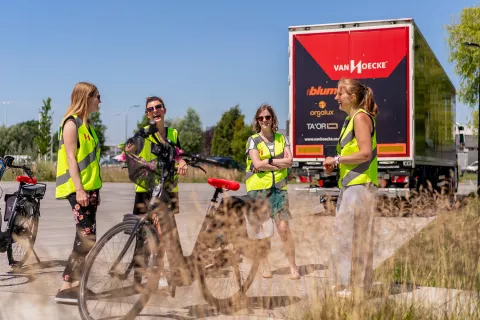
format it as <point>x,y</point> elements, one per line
<point>363,54</point>
<point>319,91</point>
<point>359,66</point>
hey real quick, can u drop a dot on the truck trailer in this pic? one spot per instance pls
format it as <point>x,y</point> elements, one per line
<point>415,97</point>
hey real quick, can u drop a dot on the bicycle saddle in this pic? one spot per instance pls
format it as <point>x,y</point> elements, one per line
<point>224,184</point>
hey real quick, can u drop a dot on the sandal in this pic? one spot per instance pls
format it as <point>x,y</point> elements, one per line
<point>267,274</point>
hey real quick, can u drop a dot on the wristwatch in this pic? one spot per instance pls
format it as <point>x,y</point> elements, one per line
<point>337,158</point>
<point>270,161</point>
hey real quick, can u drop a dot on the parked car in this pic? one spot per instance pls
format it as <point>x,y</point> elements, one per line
<point>473,167</point>
<point>111,163</point>
<point>228,162</point>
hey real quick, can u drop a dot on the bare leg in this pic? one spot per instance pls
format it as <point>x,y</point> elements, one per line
<point>68,285</point>
<point>267,271</point>
<point>287,239</point>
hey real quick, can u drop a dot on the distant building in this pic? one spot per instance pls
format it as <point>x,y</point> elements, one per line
<point>471,142</point>
<point>113,150</point>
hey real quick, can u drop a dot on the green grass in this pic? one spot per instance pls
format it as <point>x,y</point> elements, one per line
<point>445,254</point>
<point>468,177</point>
<point>46,171</point>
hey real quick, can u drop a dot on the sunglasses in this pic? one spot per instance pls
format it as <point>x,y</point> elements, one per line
<point>266,118</point>
<point>157,107</point>
<point>98,96</point>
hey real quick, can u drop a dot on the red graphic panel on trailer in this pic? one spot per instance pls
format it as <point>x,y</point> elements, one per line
<point>359,54</point>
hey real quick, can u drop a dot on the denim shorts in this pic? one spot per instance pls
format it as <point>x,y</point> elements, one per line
<point>278,200</point>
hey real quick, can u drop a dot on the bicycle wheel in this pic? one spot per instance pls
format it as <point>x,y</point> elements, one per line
<point>226,276</point>
<point>23,233</point>
<point>119,294</point>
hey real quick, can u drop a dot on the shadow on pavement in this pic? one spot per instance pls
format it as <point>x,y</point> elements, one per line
<point>302,270</point>
<point>27,274</point>
<point>263,302</point>
<point>36,267</point>
<point>11,280</point>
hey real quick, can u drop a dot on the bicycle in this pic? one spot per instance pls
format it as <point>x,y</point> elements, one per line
<point>22,213</point>
<point>221,249</point>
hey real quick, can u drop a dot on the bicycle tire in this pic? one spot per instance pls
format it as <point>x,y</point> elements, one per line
<point>152,280</point>
<point>226,304</point>
<point>28,209</point>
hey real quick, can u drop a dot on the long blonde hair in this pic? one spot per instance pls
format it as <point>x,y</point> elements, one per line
<point>364,94</point>
<point>79,100</point>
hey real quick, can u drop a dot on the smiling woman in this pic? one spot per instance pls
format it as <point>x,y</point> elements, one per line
<point>155,110</point>
<point>269,158</point>
<point>357,160</point>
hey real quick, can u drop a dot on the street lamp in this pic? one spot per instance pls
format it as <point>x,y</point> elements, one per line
<point>126,119</point>
<point>476,45</point>
<point>5,103</point>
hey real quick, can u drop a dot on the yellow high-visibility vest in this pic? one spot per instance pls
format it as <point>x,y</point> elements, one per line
<point>267,179</point>
<point>354,174</point>
<point>88,159</point>
<point>147,155</point>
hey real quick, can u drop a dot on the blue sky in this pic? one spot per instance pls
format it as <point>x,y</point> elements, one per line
<point>209,55</point>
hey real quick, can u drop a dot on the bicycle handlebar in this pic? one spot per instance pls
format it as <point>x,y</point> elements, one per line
<point>191,159</point>
<point>194,159</point>
<point>8,162</point>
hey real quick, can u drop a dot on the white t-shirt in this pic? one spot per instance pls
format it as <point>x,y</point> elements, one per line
<point>270,145</point>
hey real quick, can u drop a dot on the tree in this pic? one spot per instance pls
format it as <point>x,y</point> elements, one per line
<point>42,140</point>
<point>466,59</point>
<point>55,142</point>
<point>190,132</point>
<point>18,139</point>
<point>240,137</point>
<point>100,129</point>
<point>207,141</point>
<point>224,132</point>
<point>142,123</point>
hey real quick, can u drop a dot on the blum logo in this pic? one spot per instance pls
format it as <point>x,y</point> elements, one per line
<point>319,91</point>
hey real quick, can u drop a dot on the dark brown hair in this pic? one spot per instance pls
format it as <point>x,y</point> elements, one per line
<point>363,93</point>
<point>256,125</point>
<point>153,98</point>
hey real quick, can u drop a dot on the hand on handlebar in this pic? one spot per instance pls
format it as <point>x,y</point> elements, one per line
<point>182,167</point>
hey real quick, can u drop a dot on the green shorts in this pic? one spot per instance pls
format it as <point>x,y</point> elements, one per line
<point>278,200</point>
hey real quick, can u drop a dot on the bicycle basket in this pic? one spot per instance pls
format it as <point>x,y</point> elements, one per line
<point>143,173</point>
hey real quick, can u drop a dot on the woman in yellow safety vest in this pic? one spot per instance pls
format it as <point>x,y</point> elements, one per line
<point>268,160</point>
<point>155,110</point>
<point>78,181</point>
<point>352,251</point>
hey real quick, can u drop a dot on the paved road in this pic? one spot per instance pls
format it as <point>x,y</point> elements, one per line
<point>30,295</point>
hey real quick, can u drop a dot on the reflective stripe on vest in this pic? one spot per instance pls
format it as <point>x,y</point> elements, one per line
<point>147,155</point>
<point>353,174</point>
<point>88,159</point>
<point>265,180</point>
